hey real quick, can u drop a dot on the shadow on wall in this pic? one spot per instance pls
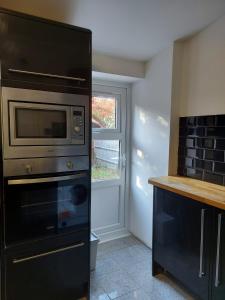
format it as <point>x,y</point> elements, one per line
<point>49,9</point>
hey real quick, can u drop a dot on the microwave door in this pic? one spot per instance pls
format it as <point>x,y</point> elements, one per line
<point>39,124</point>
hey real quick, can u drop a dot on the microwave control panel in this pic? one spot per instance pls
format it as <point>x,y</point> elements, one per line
<point>78,124</point>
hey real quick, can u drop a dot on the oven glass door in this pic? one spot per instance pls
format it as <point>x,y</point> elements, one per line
<point>39,124</point>
<point>39,207</point>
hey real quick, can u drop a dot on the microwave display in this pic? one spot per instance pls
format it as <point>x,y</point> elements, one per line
<point>40,123</point>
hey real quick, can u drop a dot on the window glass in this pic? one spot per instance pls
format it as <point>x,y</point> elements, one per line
<point>105,159</point>
<point>104,112</point>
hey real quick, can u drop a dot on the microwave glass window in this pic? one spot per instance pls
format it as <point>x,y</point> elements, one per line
<point>40,123</point>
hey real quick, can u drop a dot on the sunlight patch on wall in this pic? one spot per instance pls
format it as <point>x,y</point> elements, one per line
<point>142,116</point>
<point>140,154</point>
<point>163,121</point>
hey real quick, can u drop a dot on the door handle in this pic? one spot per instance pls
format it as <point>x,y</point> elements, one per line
<point>16,261</point>
<point>217,281</point>
<point>46,75</point>
<point>45,179</point>
<point>201,271</point>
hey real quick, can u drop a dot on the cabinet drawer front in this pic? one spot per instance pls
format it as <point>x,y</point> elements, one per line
<point>61,273</point>
<point>37,51</point>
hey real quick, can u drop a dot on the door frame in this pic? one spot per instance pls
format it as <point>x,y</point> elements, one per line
<point>112,232</point>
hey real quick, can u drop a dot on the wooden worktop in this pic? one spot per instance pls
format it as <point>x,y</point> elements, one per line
<point>208,193</point>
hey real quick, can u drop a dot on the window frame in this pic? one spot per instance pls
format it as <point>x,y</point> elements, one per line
<point>112,134</point>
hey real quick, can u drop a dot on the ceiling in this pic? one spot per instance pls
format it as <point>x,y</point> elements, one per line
<point>132,29</point>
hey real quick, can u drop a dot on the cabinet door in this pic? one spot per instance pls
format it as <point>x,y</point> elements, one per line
<point>218,257</point>
<point>56,274</point>
<point>181,240</point>
<point>39,47</point>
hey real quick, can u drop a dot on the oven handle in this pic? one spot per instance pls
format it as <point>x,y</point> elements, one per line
<point>44,179</point>
<point>16,261</point>
<point>46,75</point>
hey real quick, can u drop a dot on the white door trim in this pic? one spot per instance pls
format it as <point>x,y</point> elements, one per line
<point>120,229</point>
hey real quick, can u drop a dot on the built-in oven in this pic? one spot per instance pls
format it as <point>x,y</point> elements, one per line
<point>45,206</point>
<point>44,124</point>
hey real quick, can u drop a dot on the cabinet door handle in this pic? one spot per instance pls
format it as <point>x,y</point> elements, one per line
<point>16,261</point>
<point>46,75</point>
<point>217,281</point>
<point>201,272</point>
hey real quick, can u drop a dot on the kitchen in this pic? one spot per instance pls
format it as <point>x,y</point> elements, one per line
<point>183,79</point>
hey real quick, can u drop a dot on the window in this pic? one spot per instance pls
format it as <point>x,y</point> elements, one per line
<point>104,112</point>
<point>107,136</point>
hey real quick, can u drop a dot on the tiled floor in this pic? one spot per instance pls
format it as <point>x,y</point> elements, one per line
<point>123,272</point>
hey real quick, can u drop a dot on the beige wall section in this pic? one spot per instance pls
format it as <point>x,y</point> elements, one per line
<point>51,9</point>
<point>203,74</point>
<point>178,49</point>
<point>118,66</point>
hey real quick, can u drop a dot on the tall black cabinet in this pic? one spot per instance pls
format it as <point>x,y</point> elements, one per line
<point>38,54</point>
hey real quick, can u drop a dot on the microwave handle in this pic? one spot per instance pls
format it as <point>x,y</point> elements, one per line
<point>46,75</point>
<point>44,179</point>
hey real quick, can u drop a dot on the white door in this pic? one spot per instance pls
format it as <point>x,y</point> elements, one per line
<point>108,161</point>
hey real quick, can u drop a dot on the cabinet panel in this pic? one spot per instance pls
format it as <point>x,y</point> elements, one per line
<point>44,47</point>
<point>56,274</point>
<point>181,240</point>
<point>218,258</point>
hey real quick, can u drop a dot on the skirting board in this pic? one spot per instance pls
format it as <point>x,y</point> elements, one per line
<point>112,235</point>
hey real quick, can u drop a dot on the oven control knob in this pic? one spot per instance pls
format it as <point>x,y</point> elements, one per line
<point>28,169</point>
<point>69,164</point>
<point>76,128</point>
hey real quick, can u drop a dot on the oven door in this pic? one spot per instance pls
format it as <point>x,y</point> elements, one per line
<point>39,124</point>
<point>35,208</point>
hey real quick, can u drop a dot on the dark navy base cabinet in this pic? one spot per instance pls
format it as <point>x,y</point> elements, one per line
<point>186,243</point>
<point>58,273</point>
<point>218,263</point>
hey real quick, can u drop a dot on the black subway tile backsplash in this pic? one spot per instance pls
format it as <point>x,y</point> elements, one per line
<point>215,155</point>
<point>214,178</point>
<point>191,121</point>
<point>202,148</point>
<point>220,144</point>
<point>183,122</point>
<point>206,121</point>
<point>219,167</point>
<point>204,164</point>
<point>194,173</point>
<point>189,162</point>
<point>200,131</point>
<point>215,131</point>
<point>205,143</point>
<point>220,120</point>
<point>190,142</point>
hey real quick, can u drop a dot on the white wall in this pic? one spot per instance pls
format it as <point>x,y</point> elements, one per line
<point>203,74</point>
<point>151,108</point>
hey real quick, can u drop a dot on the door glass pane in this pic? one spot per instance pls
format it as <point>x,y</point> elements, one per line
<point>105,160</point>
<point>104,112</point>
<point>40,123</point>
